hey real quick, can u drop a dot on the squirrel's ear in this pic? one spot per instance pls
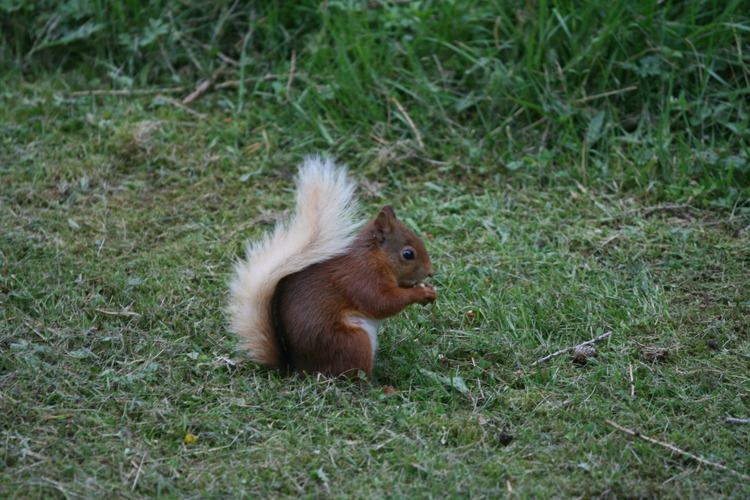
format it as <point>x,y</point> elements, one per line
<point>388,210</point>
<point>382,225</point>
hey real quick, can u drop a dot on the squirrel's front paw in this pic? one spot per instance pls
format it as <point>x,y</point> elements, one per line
<point>429,294</point>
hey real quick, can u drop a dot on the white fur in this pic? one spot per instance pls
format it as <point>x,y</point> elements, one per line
<point>322,226</point>
<point>368,325</point>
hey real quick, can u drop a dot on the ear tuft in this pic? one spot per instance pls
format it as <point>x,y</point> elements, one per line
<point>383,224</point>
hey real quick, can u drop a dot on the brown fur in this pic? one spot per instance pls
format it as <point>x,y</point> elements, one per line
<point>371,279</point>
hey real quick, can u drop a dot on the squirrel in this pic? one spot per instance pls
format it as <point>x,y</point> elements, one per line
<point>309,297</point>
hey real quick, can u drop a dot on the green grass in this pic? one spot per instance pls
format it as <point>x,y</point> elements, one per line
<point>553,213</point>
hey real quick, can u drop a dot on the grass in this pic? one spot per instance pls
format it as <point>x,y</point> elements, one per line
<point>553,213</point>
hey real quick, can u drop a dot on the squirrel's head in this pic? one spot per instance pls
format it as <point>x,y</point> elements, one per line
<point>405,253</point>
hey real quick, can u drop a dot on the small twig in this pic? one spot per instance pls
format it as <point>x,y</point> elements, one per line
<point>433,162</point>
<point>632,382</point>
<point>225,58</point>
<point>170,90</point>
<point>252,148</point>
<point>199,91</point>
<point>204,86</point>
<point>675,449</point>
<point>606,94</point>
<point>138,473</point>
<point>409,121</point>
<point>379,140</point>
<point>731,420</point>
<point>738,354</point>
<point>178,104</point>
<point>568,349</point>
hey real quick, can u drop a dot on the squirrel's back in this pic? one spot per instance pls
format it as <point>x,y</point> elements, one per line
<point>321,227</point>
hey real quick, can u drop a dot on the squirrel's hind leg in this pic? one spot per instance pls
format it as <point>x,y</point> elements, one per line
<point>348,353</point>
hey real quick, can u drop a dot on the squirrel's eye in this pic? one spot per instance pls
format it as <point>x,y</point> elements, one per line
<point>408,254</point>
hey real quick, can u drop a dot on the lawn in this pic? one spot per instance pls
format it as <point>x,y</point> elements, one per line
<point>573,171</point>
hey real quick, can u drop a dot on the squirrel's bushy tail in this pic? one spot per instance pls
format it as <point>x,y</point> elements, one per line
<point>322,226</point>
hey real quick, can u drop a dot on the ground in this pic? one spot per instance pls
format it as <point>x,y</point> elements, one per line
<point>121,217</point>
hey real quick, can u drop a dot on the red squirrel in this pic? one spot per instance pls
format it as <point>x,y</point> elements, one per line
<point>309,297</point>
